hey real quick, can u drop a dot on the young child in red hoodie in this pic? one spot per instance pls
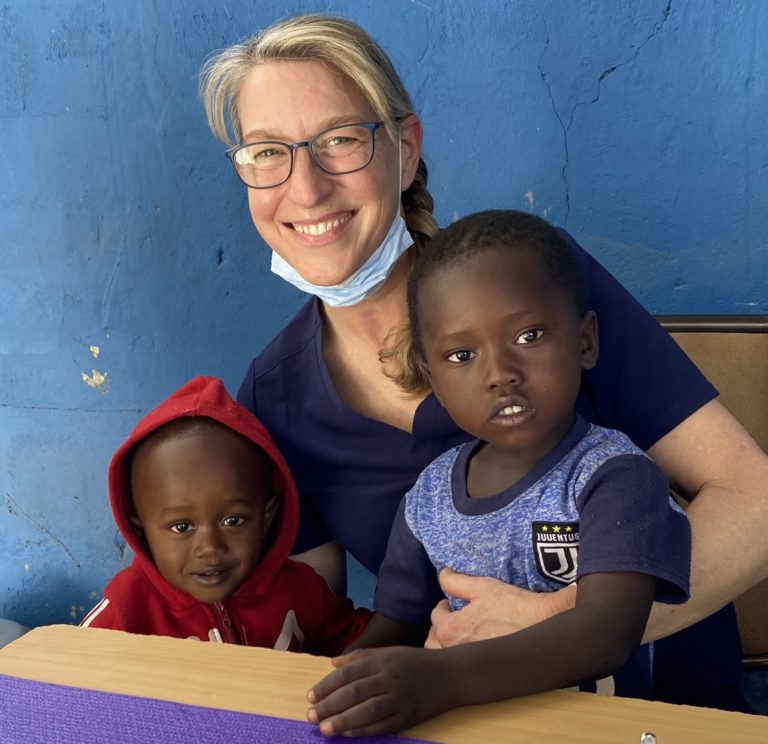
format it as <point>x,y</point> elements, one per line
<point>206,502</point>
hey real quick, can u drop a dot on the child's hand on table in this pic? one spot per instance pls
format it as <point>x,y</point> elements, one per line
<point>381,690</point>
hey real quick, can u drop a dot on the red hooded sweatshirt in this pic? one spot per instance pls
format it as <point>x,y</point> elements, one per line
<point>283,604</point>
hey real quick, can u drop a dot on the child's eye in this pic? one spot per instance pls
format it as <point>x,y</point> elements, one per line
<point>463,355</point>
<point>180,528</point>
<point>528,337</point>
<point>233,521</point>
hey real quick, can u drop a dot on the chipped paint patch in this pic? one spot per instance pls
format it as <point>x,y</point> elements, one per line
<point>26,566</point>
<point>530,199</point>
<point>97,380</point>
<point>95,350</point>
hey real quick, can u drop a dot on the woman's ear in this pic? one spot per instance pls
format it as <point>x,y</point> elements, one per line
<point>411,135</point>
<point>588,340</point>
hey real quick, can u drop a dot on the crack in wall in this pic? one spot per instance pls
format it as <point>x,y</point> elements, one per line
<point>15,510</point>
<point>559,118</point>
<point>658,26</point>
<point>608,72</point>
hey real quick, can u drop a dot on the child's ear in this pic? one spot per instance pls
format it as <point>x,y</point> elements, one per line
<point>589,344</point>
<point>432,385</point>
<point>270,510</point>
<point>135,523</point>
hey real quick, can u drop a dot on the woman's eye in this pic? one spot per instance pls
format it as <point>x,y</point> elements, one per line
<point>233,521</point>
<point>528,337</point>
<point>463,355</point>
<point>254,155</point>
<point>181,528</point>
<point>337,141</point>
<point>268,153</point>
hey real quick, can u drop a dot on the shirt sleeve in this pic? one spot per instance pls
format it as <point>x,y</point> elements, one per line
<point>407,589</point>
<point>643,383</point>
<point>629,522</point>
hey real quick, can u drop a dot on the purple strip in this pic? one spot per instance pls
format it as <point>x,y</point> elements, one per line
<point>41,713</point>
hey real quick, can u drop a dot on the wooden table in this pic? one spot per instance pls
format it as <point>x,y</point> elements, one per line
<point>275,683</point>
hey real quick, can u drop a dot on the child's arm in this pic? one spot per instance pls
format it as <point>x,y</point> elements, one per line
<point>386,631</point>
<point>376,691</point>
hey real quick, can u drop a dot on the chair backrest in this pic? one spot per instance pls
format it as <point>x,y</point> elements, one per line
<point>732,351</point>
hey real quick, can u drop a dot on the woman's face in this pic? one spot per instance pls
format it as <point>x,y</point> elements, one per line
<point>292,101</point>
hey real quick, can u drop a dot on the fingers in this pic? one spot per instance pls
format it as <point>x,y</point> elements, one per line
<point>367,719</point>
<point>440,615</point>
<point>353,699</point>
<point>459,585</point>
<point>362,653</point>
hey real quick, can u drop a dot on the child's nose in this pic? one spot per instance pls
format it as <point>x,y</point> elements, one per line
<point>503,369</point>
<point>209,542</point>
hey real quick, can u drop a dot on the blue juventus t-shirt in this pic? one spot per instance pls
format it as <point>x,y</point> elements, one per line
<point>595,503</point>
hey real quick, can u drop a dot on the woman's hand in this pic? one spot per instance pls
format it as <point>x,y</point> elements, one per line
<point>379,691</point>
<point>494,609</point>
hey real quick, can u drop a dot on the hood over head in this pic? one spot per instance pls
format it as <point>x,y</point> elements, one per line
<point>207,397</point>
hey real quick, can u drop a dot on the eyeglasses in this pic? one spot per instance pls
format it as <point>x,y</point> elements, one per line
<point>338,150</point>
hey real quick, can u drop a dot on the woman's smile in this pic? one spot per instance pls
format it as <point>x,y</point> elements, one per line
<point>323,226</point>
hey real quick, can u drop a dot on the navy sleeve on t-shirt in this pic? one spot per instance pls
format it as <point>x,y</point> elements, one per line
<point>629,522</point>
<point>408,587</point>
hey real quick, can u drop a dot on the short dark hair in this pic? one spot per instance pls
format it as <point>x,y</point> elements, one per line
<point>178,429</point>
<point>497,229</point>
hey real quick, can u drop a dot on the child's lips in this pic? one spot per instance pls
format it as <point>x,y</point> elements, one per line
<point>212,575</point>
<point>512,411</point>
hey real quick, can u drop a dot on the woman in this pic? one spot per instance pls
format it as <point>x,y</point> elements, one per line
<point>330,147</point>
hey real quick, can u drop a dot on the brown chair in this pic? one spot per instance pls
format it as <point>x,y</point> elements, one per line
<point>732,351</point>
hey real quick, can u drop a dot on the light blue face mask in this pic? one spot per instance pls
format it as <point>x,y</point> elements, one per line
<point>365,281</point>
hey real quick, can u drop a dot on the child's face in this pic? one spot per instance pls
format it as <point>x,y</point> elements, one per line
<point>505,350</point>
<point>204,504</point>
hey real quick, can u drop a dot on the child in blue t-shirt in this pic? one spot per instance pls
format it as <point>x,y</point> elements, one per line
<point>540,499</point>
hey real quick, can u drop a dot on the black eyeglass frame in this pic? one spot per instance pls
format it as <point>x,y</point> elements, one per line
<point>371,126</point>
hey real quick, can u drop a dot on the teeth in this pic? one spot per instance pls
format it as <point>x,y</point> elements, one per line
<point>320,228</point>
<point>510,410</point>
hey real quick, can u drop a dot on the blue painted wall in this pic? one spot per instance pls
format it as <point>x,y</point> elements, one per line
<point>128,262</point>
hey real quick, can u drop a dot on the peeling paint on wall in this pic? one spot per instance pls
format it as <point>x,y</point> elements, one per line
<point>95,350</point>
<point>96,380</point>
<point>530,199</point>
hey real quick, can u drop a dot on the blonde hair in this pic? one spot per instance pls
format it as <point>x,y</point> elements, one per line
<point>349,49</point>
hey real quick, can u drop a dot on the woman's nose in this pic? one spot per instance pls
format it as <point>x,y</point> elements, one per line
<point>309,185</point>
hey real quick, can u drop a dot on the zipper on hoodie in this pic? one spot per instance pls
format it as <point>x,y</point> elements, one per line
<point>229,633</point>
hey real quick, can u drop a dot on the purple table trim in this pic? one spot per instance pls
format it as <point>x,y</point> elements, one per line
<point>41,713</point>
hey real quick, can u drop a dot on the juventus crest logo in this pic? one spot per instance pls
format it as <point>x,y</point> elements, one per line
<point>556,547</point>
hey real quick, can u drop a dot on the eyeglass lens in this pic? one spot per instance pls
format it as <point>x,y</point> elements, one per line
<point>339,150</point>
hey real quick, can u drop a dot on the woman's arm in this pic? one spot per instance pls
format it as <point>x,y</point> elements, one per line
<point>330,561</point>
<point>710,459</point>
<point>378,691</point>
